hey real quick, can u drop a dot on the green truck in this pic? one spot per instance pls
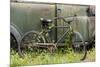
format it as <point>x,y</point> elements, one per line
<point>25,16</point>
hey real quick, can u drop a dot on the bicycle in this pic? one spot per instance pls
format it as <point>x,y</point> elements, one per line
<point>42,39</point>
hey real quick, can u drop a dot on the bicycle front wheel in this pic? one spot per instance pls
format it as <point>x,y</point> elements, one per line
<point>29,42</point>
<point>79,48</point>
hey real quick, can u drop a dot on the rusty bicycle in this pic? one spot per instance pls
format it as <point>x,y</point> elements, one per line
<point>42,39</point>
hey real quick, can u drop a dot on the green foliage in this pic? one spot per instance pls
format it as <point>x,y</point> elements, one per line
<point>68,39</point>
<point>61,56</point>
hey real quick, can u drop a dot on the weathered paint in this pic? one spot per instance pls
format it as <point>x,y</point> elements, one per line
<point>26,16</point>
<point>80,22</point>
<point>91,26</point>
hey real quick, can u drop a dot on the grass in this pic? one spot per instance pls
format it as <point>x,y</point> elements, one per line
<point>91,55</point>
<point>45,57</point>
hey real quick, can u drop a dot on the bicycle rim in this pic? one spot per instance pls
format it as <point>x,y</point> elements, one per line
<point>79,48</point>
<point>28,43</point>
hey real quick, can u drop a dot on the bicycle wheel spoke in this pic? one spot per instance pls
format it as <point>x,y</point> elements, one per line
<point>29,41</point>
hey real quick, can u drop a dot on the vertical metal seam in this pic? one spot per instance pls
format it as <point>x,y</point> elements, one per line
<point>88,27</point>
<point>55,22</point>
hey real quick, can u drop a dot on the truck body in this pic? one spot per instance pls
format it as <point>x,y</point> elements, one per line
<point>25,16</point>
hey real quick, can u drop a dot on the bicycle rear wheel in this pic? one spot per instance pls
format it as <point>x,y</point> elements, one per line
<point>79,47</point>
<point>29,42</point>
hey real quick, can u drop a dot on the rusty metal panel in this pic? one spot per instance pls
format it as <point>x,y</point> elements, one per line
<point>70,10</point>
<point>80,24</point>
<point>27,15</point>
<point>91,26</point>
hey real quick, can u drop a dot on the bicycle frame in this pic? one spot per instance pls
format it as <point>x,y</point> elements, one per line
<point>45,32</point>
<point>68,30</point>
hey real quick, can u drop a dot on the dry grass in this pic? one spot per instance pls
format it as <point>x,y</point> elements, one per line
<point>34,58</point>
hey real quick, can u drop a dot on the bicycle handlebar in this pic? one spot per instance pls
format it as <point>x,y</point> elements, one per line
<point>68,19</point>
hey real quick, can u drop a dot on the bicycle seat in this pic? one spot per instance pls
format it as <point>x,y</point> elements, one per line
<point>69,20</point>
<point>45,20</point>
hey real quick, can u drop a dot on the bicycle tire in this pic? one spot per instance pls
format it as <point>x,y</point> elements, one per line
<point>29,39</point>
<point>79,46</point>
